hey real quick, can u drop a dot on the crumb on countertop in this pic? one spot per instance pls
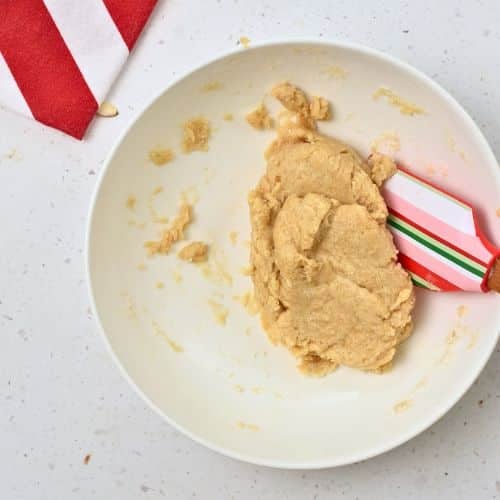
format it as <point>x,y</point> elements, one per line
<point>259,118</point>
<point>196,133</point>
<point>172,234</point>
<point>177,276</point>
<point>160,285</point>
<point>107,110</point>
<point>86,458</point>
<point>228,117</point>
<point>245,41</point>
<point>196,251</point>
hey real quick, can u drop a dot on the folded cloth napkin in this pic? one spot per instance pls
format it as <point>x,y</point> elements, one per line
<point>58,58</point>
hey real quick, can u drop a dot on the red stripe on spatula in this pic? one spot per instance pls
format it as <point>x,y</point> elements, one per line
<point>130,16</point>
<point>44,68</point>
<point>411,265</point>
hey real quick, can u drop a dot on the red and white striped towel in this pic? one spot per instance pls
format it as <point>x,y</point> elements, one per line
<point>58,58</point>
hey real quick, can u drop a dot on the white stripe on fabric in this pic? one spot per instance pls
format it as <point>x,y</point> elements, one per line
<point>93,40</point>
<point>10,94</point>
<point>437,206</point>
<point>437,256</point>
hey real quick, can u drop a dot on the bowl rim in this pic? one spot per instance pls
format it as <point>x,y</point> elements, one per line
<point>334,461</point>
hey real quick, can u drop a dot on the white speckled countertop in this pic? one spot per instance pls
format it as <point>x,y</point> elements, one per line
<point>61,397</point>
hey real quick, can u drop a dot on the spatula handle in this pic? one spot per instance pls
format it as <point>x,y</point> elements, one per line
<point>494,278</point>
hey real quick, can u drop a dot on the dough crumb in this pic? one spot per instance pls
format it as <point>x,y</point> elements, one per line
<point>219,311</point>
<point>247,300</point>
<point>246,271</point>
<point>173,234</point>
<point>402,406</point>
<point>217,272</point>
<point>239,388</point>
<point>233,237</point>
<point>245,41</point>
<point>320,108</point>
<point>141,266</point>
<point>387,143</point>
<point>247,426</point>
<point>157,190</point>
<point>259,118</point>
<point>194,252</point>
<point>131,202</point>
<point>405,107</point>
<point>212,86</point>
<point>160,156</point>
<point>336,72</point>
<point>160,285</point>
<point>382,168</point>
<point>161,333</point>
<point>177,276</point>
<point>228,117</point>
<point>107,110</point>
<point>292,98</point>
<point>196,133</point>
<point>462,310</point>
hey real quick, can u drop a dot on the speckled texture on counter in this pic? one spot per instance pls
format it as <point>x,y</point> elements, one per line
<point>70,426</point>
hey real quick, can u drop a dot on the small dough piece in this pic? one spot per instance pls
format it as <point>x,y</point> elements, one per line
<point>161,156</point>
<point>259,118</point>
<point>174,233</point>
<point>194,252</point>
<point>291,97</point>
<point>196,133</point>
<point>131,202</point>
<point>320,108</point>
<point>382,168</point>
<point>405,107</point>
<point>324,265</point>
<point>107,110</point>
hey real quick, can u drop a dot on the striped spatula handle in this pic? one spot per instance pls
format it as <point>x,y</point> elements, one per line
<point>440,243</point>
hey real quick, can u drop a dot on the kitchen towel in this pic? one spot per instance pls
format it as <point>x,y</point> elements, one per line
<point>58,58</point>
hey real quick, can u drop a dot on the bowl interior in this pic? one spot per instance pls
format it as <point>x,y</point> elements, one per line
<point>226,385</point>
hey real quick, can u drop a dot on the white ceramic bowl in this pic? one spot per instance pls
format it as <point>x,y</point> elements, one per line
<point>230,389</point>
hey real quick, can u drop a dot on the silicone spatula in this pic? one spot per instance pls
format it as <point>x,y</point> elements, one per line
<point>439,241</point>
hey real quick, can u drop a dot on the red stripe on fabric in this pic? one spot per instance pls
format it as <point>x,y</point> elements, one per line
<point>44,68</point>
<point>436,237</point>
<point>410,265</point>
<point>130,16</point>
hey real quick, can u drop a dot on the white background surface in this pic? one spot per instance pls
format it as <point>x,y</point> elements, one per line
<point>60,395</point>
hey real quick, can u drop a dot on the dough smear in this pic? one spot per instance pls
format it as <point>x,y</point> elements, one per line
<point>324,265</point>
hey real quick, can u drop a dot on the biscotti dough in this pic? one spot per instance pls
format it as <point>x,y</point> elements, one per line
<point>324,265</point>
